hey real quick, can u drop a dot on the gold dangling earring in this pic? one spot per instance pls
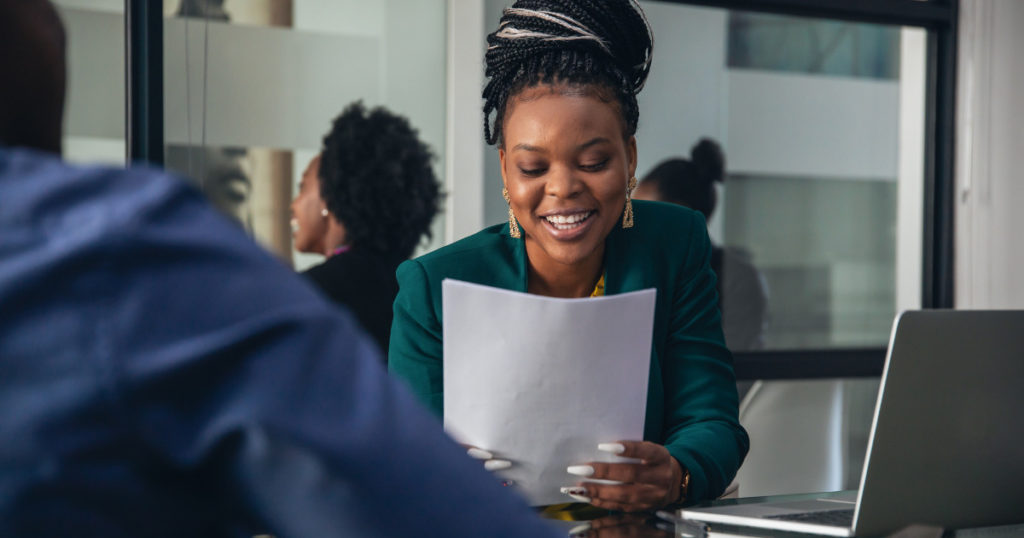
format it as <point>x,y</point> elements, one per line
<point>627,217</point>
<point>513,226</point>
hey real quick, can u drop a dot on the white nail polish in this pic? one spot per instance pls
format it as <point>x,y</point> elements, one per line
<point>479,454</point>
<point>580,498</point>
<point>580,470</point>
<point>574,490</point>
<point>497,465</point>
<point>614,448</point>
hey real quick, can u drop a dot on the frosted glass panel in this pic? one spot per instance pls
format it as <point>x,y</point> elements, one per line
<point>821,123</point>
<point>95,107</point>
<point>252,86</point>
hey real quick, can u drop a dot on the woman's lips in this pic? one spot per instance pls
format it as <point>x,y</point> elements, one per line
<point>568,226</point>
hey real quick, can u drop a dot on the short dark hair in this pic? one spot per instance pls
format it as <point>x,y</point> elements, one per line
<point>377,179</point>
<point>606,44</point>
<point>32,67</point>
<point>691,182</point>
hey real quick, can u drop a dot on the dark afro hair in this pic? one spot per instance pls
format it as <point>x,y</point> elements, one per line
<point>691,182</point>
<point>376,178</point>
<point>606,44</point>
<point>32,71</point>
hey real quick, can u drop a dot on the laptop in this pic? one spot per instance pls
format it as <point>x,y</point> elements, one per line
<point>947,440</point>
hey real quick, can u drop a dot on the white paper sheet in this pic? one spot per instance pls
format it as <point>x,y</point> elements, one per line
<point>541,381</point>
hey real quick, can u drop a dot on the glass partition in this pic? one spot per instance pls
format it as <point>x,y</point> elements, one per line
<point>94,115</point>
<point>818,219</point>
<point>252,86</point>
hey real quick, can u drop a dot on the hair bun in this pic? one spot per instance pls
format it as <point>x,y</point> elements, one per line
<point>708,160</point>
<point>616,29</point>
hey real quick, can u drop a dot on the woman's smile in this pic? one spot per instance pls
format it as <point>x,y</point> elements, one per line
<point>568,225</point>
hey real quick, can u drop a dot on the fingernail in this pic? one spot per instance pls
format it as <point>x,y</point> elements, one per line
<point>479,454</point>
<point>580,498</point>
<point>497,465</point>
<point>580,470</point>
<point>614,448</point>
<point>574,490</point>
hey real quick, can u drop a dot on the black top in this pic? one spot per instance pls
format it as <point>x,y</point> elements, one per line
<point>363,283</point>
<point>743,298</point>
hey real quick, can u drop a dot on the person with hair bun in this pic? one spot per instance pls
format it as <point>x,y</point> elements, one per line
<point>561,107</point>
<point>742,294</point>
<point>364,202</point>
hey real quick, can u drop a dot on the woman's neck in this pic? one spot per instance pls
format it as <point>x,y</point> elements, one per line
<point>552,279</point>
<point>333,240</point>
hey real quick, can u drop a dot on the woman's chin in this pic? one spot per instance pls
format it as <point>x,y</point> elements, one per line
<point>571,253</point>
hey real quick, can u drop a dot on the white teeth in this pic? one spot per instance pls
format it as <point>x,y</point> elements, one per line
<point>568,222</point>
<point>295,225</point>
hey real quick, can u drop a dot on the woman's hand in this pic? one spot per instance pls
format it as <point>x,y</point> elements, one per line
<point>652,483</point>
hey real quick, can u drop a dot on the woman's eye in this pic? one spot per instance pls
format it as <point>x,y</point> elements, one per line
<point>533,172</point>
<point>595,166</point>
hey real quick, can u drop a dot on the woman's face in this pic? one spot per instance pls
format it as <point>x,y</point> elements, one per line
<point>309,226</point>
<point>566,166</point>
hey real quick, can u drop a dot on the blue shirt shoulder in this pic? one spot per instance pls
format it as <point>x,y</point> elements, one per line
<point>164,376</point>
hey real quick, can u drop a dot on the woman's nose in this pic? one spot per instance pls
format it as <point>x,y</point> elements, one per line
<point>563,183</point>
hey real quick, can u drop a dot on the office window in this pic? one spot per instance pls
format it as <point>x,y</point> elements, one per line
<point>94,117</point>
<point>822,126</point>
<point>252,86</point>
<point>815,46</point>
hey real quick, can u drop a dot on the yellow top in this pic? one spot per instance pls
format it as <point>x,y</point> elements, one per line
<point>599,288</point>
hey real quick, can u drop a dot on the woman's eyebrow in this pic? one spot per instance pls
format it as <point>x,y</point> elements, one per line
<point>581,147</point>
<point>528,147</point>
<point>592,142</point>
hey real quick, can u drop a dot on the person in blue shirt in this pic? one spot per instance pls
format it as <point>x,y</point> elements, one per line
<point>160,375</point>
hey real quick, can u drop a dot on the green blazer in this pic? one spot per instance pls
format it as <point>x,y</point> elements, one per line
<point>691,400</point>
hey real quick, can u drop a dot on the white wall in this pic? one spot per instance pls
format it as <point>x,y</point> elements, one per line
<point>465,183</point>
<point>989,222</point>
<point>813,126</point>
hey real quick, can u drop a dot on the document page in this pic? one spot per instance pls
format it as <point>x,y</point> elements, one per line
<point>541,381</point>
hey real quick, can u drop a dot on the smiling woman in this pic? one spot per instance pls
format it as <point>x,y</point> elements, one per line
<point>564,75</point>
<point>566,176</point>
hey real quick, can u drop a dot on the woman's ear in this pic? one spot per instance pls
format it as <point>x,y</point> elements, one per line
<point>501,159</point>
<point>631,155</point>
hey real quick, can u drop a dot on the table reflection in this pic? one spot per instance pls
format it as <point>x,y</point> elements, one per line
<point>586,521</point>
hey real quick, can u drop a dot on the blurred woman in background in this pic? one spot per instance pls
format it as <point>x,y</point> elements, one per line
<point>742,294</point>
<point>364,202</point>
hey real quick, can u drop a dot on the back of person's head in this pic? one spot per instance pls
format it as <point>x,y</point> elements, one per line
<point>32,75</point>
<point>601,48</point>
<point>376,178</point>
<point>690,182</point>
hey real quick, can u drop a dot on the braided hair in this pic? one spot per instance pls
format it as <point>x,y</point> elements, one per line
<point>691,182</point>
<point>605,44</point>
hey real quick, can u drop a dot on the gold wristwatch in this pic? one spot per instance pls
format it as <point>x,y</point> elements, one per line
<point>684,487</point>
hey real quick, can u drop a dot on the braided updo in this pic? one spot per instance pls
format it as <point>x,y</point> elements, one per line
<point>691,182</point>
<point>606,43</point>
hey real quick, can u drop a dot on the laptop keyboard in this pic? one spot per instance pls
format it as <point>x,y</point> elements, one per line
<point>833,518</point>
